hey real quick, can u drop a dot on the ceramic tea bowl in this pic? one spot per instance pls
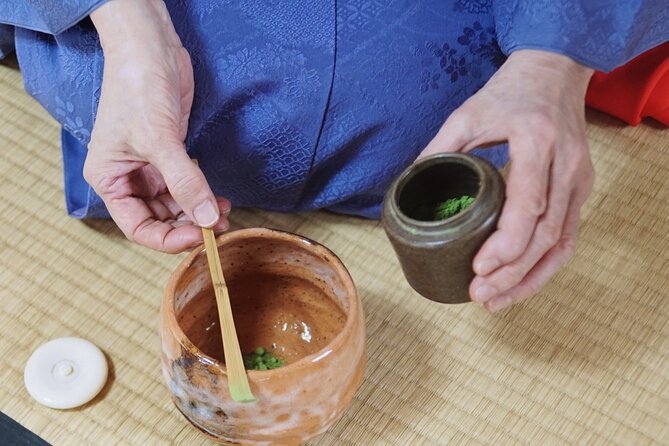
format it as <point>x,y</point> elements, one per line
<point>295,402</point>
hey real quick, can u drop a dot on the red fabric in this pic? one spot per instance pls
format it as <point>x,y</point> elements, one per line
<point>638,89</point>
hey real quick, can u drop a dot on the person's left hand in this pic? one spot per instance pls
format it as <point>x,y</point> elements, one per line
<point>536,103</point>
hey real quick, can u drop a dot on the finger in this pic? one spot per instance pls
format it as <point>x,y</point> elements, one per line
<point>182,219</point>
<point>166,199</point>
<point>539,276</point>
<point>145,182</point>
<point>187,184</point>
<point>457,131</point>
<point>547,233</point>
<point>559,254</point>
<point>224,205</point>
<point>222,225</point>
<point>526,197</point>
<point>180,223</point>
<point>134,217</point>
<point>167,238</point>
<point>159,210</point>
<point>463,131</point>
<point>219,228</point>
<point>169,202</point>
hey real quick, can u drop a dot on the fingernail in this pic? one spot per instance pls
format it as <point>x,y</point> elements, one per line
<point>499,303</point>
<point>485,267</point>
<point>205,214</point>
<point>483,293</point>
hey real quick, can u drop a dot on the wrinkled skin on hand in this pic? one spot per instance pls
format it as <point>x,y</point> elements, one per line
<point>536,103</point>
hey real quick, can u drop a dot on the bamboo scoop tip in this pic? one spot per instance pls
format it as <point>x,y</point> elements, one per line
<point>242,395</point>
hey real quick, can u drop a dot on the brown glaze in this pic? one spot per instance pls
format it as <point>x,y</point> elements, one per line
<point>295,402</point>
<point>436,256</point>
<point>291,316</point>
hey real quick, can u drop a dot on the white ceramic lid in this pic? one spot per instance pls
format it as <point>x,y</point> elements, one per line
<point>65,373</point>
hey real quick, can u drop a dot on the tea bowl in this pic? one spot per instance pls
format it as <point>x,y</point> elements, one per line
<point>293,403</point>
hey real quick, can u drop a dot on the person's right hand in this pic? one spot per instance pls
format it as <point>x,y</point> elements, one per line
<point>536,102</point>
<point>137,160</point>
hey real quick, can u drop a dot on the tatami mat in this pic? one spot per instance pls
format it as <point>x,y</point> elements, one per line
<point>586,362</point>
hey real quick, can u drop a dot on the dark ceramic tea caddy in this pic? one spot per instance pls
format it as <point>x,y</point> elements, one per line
<point>436,255</point>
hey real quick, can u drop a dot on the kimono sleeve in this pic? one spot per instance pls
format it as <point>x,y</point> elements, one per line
<point>602,34</point>
<point>47,16</point>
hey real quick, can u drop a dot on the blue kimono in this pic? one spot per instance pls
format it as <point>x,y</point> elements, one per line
<point>305,105</point>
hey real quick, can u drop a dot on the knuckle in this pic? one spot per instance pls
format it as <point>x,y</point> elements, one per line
<point>142,234</point>
<point>101,183</point>
<point>89,174</point>
<point>96,139</point>
<point>567,247</point>
<point>579,155</point>
<point>583,151</point>
<point>514,250</point>
<point>185,186</point>
<point>511,277</point>
<point>93,143</point>
<point>184,53</point>
<point>580,159</point>
<point>548,234</point>
<point>582,176</point>
<point>96,179</point>
<point>535,204</point>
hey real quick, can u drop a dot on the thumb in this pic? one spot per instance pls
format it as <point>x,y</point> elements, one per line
<point>187,185</point>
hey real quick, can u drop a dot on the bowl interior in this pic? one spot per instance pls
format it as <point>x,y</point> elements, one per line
<point>437,181</point>
<point>288,296</point>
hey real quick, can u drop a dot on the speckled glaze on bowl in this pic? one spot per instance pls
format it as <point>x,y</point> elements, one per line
<point>295,402</point>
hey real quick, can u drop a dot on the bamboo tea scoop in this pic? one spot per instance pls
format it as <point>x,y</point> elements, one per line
<point>238,382</point>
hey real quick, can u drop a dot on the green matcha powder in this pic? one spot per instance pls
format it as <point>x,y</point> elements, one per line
<point>451,207</point>
<point>261,359</point>
<point>443,210</point>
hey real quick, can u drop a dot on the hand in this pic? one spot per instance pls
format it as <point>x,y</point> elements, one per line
<point>536,103</point>
<point>136,160</point>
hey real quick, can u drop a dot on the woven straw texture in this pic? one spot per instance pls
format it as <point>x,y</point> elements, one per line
<point>585,362</point>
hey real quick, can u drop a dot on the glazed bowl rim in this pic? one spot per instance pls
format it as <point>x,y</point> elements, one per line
<point>352,298</point>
